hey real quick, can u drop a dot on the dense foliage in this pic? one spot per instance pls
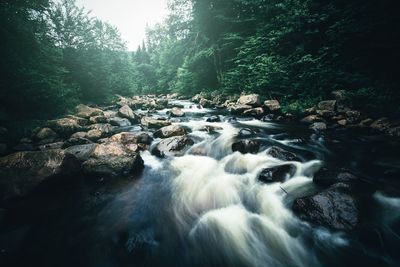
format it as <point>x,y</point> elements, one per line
<point>54,54</point>
<point>293,50</point>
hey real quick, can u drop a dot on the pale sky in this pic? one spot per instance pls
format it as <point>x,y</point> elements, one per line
<point>130,16</point>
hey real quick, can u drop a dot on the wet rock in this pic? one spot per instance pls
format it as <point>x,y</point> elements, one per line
<point>56,145</point>
<point>169,131</point>
<point>253,100</point>
<point>272,106</point>
<point>325,113</point>
<point>335,208</point>
<point>46,133</point>
<point>210,128</point>
<point>342,122</point>
<point>282,154</point>
<point>238,109</point>
<point>154,123</point>
<point>318,126</point>
<point>269,117</point>
<point>213,118</point>
<point>126,112</point>
<point>328,177</point>
<point>311,119</point>
<point>381,124</point>
<point>80,121</point>
<point>277,173</point>
<point>162,103</point>
<point>81,152</point>
<point>246,132</point>
<point>22,172</point>
<point>87,112</point>
<point>327,105</point>
<point>98,119</point>
<point>206,103</point>
<point>101,130</point>
<point>176,112</point>
<point>246,146</point>
<point>94,134</point>
<point>121,122</point>
<point>353,116</point>
<point>65,126</point>
<point>255,112</point>
<point>78,138</point>
<point>112,159</point>
<point>131,138</point>
<point>196,98</point>
<point>173,146</point>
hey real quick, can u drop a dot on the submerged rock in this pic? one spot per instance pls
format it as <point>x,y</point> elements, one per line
<point>173,146</point>
<point>246,146</point>
<point>282,154</point>
<point>335,208</point>
<point>277,173</point>
<point>213,118</point>
<point>169,131</point>
<point>22,172</point>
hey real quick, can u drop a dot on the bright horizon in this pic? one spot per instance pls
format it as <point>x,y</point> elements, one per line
<point>129,16</point>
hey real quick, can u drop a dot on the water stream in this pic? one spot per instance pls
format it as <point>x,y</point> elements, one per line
<point>206,208</point>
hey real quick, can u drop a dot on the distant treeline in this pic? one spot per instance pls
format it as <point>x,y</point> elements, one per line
<point>54,55</point>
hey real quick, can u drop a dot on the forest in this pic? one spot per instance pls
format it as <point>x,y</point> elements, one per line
<point>55,55</point>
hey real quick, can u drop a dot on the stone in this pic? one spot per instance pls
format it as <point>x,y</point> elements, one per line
<point>105,129</point>
<point>81,152</point>
<point>46,133</point>
<point>327,105</point>
<point>342,122</point>
<point>154,123</point>
<point>318,126</point>
<point>325,113</point>
<point>87,112</point>
<point>131,138</point>
<point>205,103</point>
<point>112,159</point>
<point>56,145</point>
<point>176,112</point>
<point>282,154</point>
<point>381,124</point>
<point>169,131</point>
<point>213,118</point>
<point>126,112</point>
<point>210,128</point>
<point>94,134</point>
<point>311,119</point>
<point>121,122</point>
<point>334,208</point>
<point>395,131</point>
<point>238,109</point>
<point>65,126</point>
<point>255,112</point>
<point>353,116</point>
<point>277,173</point>
<point>98,119</point>
<point>173,146</point>
<point>22,172</point>
<point>253,100</point>
<point>246,146</point>
<point>272,106</point>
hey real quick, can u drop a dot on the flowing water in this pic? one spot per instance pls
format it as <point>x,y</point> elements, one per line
<point>207,208</point>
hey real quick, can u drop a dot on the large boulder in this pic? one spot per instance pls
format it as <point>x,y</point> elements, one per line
<point>246,146</point>
<point>65,126</point>
<point>272,106</point>
<point>126,112</point>
<point>277,173</point>
<point>176,112</point>
<point>327,105</point>
<point>22,172</point>
<point>253,100</point>
<point>81,152</point>
<point>173,146</point>
<point>169,131</point>
<point>87,112</point>
<point>154,123</point>
<point>281,154</point>
<point>112,159</point>
<point>334,208</point>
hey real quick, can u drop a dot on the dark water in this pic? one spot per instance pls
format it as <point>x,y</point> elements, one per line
<point>207,208</point>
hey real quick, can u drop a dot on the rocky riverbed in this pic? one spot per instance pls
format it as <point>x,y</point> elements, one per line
<point>164,181</point>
